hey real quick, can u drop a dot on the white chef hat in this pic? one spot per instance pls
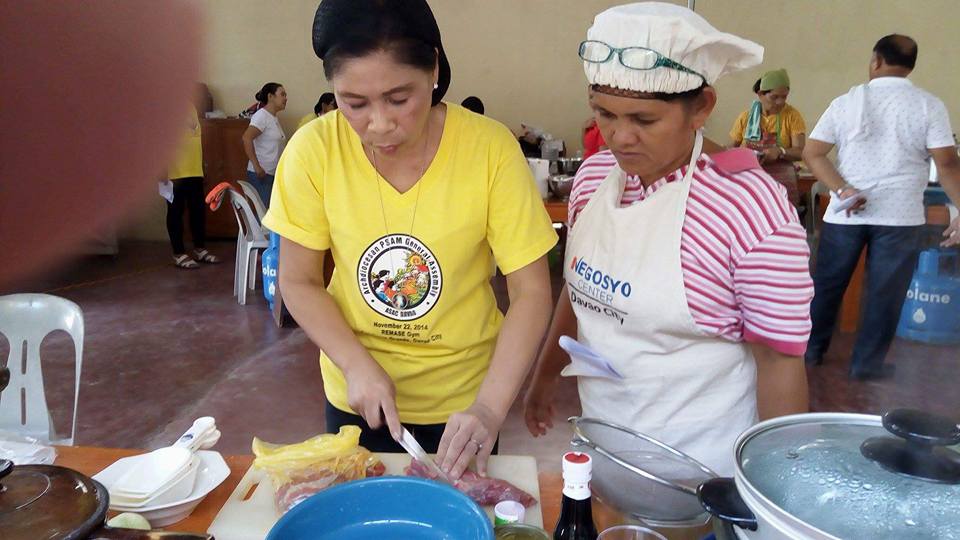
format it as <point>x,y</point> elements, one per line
<point>676,33</point>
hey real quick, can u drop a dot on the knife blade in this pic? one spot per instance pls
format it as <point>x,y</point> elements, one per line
<point>410,444</point>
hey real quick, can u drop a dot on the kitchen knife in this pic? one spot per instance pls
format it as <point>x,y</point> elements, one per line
<point>418,453</point>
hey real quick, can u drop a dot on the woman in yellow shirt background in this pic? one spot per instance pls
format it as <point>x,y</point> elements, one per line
<point>186,173</point>
<point>325,104</point>
<point>771,126</point>
<point>774,130</point>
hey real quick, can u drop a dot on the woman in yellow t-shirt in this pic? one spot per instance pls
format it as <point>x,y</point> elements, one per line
<point>325,104</point>
<point>770,126</point>
<point>186,174</point>
<point>774,130</point>
<point>416,200</point>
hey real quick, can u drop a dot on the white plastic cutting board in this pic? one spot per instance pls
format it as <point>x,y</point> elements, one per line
<point>253,518</point>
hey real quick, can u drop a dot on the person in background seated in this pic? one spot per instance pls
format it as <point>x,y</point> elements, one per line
<point>771,126</point>
<point>774,130</point>
<point>325,104</point>
<point>472,103</point>
<point>264,139</point>
<point>884,131</point>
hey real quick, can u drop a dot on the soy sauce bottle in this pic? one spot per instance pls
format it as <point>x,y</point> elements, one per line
<point>576,514</point>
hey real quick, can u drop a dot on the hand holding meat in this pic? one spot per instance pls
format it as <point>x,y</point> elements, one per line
<point>470,433</point>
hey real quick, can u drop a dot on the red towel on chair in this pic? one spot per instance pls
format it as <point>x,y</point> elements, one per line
<point>215,197</point>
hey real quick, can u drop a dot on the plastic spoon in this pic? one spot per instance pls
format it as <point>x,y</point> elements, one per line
<point>172,491</point>
<point>180,477</point>
<point>155,469</point>
<point>181,483</point>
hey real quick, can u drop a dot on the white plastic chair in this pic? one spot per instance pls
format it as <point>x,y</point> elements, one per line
<point>25,319</point>
<point>251,238</point>
<point>254,196</point>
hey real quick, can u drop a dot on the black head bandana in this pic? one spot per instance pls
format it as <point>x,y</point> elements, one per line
<point>335,18</point>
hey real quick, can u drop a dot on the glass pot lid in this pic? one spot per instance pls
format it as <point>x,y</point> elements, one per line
<point>640,476</point>
<point>47,501</point>
<point>859,476</point>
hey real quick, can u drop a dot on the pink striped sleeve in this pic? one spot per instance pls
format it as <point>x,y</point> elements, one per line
<point>773,288</point>
<point>588,178</point>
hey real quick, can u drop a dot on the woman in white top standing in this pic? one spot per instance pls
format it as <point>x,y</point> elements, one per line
<point>263,141</point>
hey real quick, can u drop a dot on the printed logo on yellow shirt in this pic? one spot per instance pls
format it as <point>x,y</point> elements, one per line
<point>399,277</point>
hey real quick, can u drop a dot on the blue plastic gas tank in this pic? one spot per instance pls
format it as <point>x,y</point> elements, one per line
<point>270,262</point>
<point>931,311</point>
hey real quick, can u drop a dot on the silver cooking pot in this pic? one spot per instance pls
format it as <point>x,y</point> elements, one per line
<point>565,165</point>
<point>823,476</point>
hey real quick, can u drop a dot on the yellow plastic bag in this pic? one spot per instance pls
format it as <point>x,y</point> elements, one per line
<point>302,469</point>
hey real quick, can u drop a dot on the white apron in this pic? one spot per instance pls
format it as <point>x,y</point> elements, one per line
<point>692,391</point>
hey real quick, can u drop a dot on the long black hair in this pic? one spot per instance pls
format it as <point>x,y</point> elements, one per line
<point>473,103</point>
<point>407,29</point>
<point>263,96</point>
<point>327,98</point>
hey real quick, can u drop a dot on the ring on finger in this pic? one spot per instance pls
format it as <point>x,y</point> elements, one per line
<point>479,445</point>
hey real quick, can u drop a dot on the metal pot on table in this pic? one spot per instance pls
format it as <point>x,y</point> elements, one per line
<point>566,165</point>
<point>821,476</point>
<point>560,185</point>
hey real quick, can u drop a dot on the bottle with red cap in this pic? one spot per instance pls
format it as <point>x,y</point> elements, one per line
<point>576,513</point>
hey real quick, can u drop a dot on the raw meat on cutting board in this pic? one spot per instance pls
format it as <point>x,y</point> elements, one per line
<point>485,491</point>
<point>302,486</point>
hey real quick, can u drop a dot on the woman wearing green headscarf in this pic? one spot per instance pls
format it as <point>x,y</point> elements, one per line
<point>773,129</point>
<point>771,126</point>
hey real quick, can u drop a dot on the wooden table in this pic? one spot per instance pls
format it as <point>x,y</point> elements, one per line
<point>557,209</point>
<point>805,181</point>
<point>90,460</point>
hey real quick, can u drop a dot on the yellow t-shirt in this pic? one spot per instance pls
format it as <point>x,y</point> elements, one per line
<point>418,299</point>
<point>306,119</point>
<point>189,159</point>
<point>791,125</point>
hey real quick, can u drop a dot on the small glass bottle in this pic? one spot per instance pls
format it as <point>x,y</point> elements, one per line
<point>576,513</point>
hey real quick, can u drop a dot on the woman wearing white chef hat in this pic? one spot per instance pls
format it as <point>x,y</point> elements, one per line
<point>687,272</point>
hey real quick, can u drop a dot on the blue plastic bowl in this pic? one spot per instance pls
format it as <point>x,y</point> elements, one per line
<point>385,508</point>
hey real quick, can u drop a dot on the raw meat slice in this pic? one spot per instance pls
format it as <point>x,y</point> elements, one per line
<point>303,485</point>
<point>485,491</point>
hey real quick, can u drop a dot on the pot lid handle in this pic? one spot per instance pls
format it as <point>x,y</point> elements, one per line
<point>720,497</point>
<point>919,452</point>
<point>921,427</point>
